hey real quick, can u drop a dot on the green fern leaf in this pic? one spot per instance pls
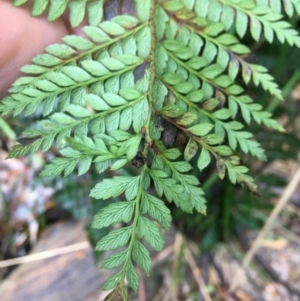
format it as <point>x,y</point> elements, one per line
<point>58,7</point>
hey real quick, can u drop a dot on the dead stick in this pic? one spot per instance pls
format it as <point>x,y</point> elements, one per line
<point>197,274</point>
<point>47,254</point>
<point>289,190</point>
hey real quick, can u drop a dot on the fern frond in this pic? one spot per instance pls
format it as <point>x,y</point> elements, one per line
<point>152,92</point>
<point>246,14</point>
<point>291,6</point>
<point>77,8</point>
<point>216,45</point>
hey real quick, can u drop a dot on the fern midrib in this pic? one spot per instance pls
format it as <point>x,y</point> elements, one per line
<point>77,85</point>
<point>230,132</point>
<point>138,198</point>
<point>216,87</point>
<point>151,60</point>
<point>193,137</point>
<point>134,224</point>
<point>97,115</point>
<point>198,109</point>
<point>196,73</point>
<point>104,45</point>
<point>217,43</point>
<point>282,30</point>
<point>176,174</point>
<point>254,72</point>
<point>224,47</point>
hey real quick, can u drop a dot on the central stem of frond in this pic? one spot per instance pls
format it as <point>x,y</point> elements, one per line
<point>152,69</point>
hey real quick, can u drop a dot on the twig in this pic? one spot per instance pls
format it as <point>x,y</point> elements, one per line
<point>142,287</point>
<point>293,209</point>
<point>161,256</point>
<point>177,248</point>
<point>163,291</point>
<point>289,234</point>
<point>264,264</point>
<point>218,269</point>
<point>47,254</point>
<point>167,295</point>
<point>197,274</point>
<point>289,190</point>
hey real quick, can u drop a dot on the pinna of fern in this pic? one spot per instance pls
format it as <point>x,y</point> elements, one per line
<point>124,93</point>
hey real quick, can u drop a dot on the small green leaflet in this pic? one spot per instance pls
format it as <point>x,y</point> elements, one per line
<point>204,159</point>
<point>143,9</point>
<point>190,150</point>
<point>132,277</point>
<point>150,232</point>
<point>117,185</point>
<point>115,260</point>
<point>114,239</point>
<point>114,213</point>
<point>141,256</point>
<point>156,209</point>
<point>201,129</point>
